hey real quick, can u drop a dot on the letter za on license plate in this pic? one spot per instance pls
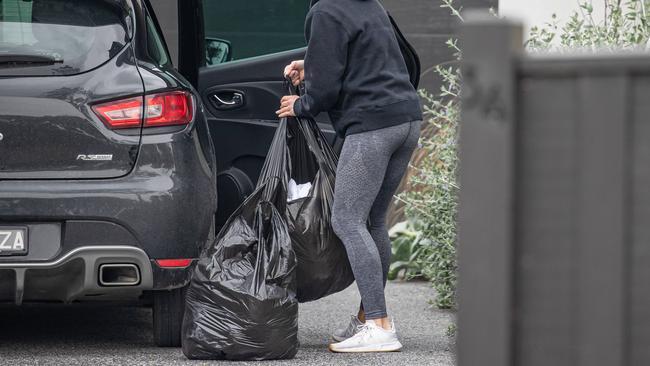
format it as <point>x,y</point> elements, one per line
<point>13,240</point>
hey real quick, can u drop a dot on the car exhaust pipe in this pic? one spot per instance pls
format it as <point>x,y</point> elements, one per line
<point>119,275</point>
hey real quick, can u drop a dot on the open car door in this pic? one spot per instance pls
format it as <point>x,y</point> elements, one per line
<point>235,53</point>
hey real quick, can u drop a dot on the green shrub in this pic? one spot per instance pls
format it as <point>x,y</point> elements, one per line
<point>408,247</point>
<point>625,24</point>
<point>431,197</point>
<point>429,248</point>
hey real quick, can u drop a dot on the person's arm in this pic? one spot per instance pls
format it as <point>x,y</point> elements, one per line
<point>325,64</point>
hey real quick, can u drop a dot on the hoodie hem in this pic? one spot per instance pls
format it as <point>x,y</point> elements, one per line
<point>360,121</point>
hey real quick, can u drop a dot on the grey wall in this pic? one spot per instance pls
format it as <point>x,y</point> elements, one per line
<point>427,27</point>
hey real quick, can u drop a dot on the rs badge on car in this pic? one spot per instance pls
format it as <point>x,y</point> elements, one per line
<point>13,241</point>
<point>95,157</point>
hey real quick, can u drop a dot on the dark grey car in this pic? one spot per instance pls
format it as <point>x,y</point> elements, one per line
<point>107,169</point>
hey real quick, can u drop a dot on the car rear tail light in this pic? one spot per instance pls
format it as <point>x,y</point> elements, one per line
<point>168,109</point>
<point>164,109</point>
<point>125,113</point>
<point>173,263</point>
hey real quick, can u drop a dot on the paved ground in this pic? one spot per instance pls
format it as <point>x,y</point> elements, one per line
<point>122,336</point>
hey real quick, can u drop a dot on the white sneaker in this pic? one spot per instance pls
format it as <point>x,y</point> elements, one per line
<point>369,338</point>
<point>344,333</point>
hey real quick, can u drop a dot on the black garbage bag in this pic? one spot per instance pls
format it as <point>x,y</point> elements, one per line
<point>323,266</point>
<point>300,152</point>
<point>241,302</point>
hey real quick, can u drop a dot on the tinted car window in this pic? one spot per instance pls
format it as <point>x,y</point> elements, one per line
<point>252,28</point>
<point>60,37</point>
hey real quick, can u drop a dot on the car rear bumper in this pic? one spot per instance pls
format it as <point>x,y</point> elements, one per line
<point>74,276</point>
<point>164,209</point>
<point>77,276</point>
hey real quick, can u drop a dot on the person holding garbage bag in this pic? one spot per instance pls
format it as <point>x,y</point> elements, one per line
<point>354,70</point>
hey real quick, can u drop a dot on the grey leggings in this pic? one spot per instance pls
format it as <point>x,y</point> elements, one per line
<point>371,167</point>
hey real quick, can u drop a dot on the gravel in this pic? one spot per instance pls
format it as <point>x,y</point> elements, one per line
<point>101,335</point>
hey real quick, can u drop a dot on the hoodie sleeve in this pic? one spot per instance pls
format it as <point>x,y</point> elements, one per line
<point>325,64</point>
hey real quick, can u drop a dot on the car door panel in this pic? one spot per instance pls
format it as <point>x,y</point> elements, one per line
<point>242,135</point>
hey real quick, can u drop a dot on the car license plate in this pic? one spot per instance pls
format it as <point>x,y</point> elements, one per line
<point>13,240</point>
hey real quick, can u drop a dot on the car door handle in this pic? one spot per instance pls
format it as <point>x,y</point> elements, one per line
<point>226,100</point>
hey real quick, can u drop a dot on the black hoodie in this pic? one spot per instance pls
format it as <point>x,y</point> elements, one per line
<point>354,69</point>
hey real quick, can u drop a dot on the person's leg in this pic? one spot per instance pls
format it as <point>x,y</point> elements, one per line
<point>397,167</point>
<point>361,171</point>
<point>395,172</point>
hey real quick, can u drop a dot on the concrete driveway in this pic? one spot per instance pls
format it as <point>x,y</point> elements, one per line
<point>99,335</point>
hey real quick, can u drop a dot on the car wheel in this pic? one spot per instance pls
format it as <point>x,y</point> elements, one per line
<point>168,309</point>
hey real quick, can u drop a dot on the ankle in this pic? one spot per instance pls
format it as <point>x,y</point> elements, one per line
<point>383,323</point>
<point>361,316</point>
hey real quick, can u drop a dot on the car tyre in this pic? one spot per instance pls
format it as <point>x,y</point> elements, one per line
<point>168,310</point>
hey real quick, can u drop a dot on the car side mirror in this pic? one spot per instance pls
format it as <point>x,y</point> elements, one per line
<point>217,51</point>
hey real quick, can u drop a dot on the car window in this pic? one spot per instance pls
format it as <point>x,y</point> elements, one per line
<point>237,30</point>
<point>155,45</point>
<point>60,37</point>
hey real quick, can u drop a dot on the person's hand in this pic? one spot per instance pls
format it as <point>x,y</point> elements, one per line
<point>295,71</point>
<point>286,106</point>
